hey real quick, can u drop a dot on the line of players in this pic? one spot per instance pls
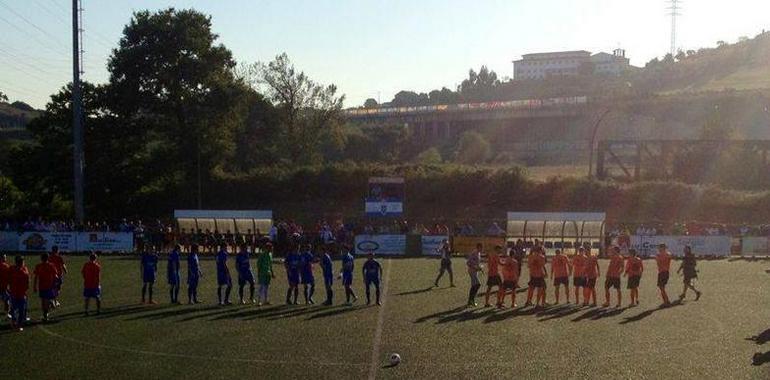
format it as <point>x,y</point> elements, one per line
<point>299,264</point>
<point>504,271</point>
<point>48,278</point>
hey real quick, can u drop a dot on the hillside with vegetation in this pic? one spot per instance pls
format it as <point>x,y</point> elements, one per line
<point>16,115</point>
<point>744,65</point>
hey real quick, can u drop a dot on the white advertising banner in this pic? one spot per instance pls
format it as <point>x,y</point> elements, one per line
<point>431,244</point>
<point>381,244</point>
<point>76,241</point>
<point>701,245</point>
<point>105,241</point>
<point>754,246</point>
<point>44,241</point>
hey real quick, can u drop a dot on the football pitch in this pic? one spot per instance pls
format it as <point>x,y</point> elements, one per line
<point>713,338</point>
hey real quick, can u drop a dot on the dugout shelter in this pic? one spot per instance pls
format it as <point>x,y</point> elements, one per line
<point>235,221</point>
<point>558,230</point>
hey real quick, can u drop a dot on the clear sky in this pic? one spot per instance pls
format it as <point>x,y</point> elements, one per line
<point>370,48</point>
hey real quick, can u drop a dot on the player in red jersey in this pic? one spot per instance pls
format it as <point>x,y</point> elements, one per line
<point>45,282</point>
<point>57,260</point>
<point>92,283</point>
<point>18,287</point>
<point>5,281</point>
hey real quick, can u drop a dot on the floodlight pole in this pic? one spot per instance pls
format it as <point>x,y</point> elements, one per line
<point>593,142</point>
<point>78,158</point>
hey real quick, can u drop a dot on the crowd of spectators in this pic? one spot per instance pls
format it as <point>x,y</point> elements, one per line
<point>689,229</point>
<point>161,233</point>
<point>45,225</point>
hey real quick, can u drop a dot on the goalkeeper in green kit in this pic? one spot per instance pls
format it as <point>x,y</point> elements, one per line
<point>264,273</point>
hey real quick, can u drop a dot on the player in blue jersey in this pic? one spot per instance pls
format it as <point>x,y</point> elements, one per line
<point>328,271</point>
<point>306,274</point>
<point>292,262</point>
<point>174,277</point>
<point>348,265</point>
<point>223,277</point>
<point>148,268</point>
<point>245,275</point>
<point>193,274</point>
<point>372,271</point>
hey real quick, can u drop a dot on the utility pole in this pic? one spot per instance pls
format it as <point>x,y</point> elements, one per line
<point>674,9</point>
<point>77,115</point>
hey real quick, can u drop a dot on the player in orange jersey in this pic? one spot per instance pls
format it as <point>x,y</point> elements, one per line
<point>663,259</point>
<point>510,271</point>
<point>634,269</point>
<point>493,274</point>
<point>578,273</point>
<point>614,271</point>
<point>591,272</point>
<point>561,269</point>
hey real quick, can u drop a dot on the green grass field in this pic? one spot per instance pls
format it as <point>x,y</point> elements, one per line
<point>435,336</point>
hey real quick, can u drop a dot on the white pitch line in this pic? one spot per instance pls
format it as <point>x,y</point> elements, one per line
<point>380,321</point>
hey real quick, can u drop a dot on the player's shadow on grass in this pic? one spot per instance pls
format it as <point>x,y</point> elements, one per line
<point>760,338</point>
<point>458,314</point>
<point>418,291</point>
<point>330,312</point>
<point>599,313</point>
<point>171,311</point>
<point>760,358</point>
<point>511,313</point>
<point>249,312</point>
<point>119,311</point>
<point>558,312</point>
<point>647,313</point>
<point>439,314</point>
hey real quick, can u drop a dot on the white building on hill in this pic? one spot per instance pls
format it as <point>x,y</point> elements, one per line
<point>569,63</point>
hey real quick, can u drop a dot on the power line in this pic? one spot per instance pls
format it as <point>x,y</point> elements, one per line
<point>52,13</point>
<point>15,88</point>
<point>23,61</point>
<point>34,38</point>
<point>31,75</point>
<point>32,24</point>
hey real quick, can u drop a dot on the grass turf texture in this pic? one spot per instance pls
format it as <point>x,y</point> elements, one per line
<point>435,336</point>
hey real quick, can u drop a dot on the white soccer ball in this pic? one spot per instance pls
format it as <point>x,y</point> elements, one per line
<point>395,359</point>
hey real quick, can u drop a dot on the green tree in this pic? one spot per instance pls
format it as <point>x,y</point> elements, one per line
<point>11,199</point>
<point>479,86</point>
<point>173,82</point>
<point>430,156</point>
<point>473,148</point>
<point>409,99</point>
<point>371,103</point>
<point>309,114</point>
<point>444,96</point>
<point>3,97</point>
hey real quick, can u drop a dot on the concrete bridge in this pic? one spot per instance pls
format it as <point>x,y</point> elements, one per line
<point>441,121</point>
